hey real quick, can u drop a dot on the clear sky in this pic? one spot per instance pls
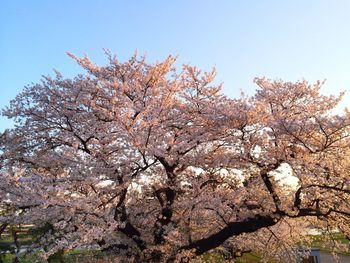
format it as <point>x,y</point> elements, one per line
<point>290,40</point>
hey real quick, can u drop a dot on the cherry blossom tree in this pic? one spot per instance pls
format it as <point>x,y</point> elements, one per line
<point>156,164</point>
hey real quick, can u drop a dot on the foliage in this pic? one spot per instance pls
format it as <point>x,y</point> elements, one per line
<point>154,164</point>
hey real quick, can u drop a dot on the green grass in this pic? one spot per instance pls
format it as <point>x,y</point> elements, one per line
<point>318,241</point>
<point>69,257</point>
<point>249,258</point>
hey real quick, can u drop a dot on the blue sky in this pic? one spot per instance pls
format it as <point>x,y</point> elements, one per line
<point>290,40</point>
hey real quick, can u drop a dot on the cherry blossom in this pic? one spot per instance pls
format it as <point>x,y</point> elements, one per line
<point>157,164</point>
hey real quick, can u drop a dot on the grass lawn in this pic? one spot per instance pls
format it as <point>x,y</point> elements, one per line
<point>319,242</point>
<point>70,257</point>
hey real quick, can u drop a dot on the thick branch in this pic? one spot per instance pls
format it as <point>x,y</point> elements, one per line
<point>232,229</point>
<point>166,199</point>
<point>129,230</point>
<point>265,177</point>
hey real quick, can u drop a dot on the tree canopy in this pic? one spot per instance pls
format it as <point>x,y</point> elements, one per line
<point>157,164</point>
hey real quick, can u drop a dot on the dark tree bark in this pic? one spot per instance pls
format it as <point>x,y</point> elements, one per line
<point>232,229</point>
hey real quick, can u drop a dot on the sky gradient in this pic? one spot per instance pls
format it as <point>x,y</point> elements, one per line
<point>243,39</point>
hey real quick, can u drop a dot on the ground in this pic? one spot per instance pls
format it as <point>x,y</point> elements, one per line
<point>26,236</point>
